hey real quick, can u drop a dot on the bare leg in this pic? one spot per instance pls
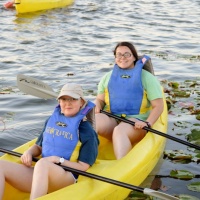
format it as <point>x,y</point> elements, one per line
<point>124,137</point>
<point>2,185</point>
<point>17,175</point>
<point>49,177</point>
<point>105,125</point>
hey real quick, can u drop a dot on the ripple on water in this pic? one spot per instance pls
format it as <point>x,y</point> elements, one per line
<point>76,44</point>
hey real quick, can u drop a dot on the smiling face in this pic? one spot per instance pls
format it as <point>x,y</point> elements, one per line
<point>70,106</point>
<point>124,57</point>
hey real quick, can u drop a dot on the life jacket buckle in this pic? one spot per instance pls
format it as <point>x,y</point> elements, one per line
<point>123,116</point>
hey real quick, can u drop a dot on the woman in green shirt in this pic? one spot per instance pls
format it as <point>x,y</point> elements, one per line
<point>128,91</point>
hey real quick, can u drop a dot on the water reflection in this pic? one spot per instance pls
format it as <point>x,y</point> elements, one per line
<point>75,44</point>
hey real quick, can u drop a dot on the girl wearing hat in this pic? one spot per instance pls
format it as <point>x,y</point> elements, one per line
<point>68,138</point>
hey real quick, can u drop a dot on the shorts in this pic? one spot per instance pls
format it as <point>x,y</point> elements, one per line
<point>75,176</point>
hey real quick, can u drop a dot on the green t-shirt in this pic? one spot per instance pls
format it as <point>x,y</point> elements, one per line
<point>150,84</point>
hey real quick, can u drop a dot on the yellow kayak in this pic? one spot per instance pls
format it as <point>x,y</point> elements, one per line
<point>133,169</point>
<point>26,6</point>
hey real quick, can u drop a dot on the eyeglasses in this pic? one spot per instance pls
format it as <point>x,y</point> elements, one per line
<point>70,100</point>
<point>126,55</point>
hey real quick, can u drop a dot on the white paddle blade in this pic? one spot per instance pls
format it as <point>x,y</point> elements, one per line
<point>35,87</point>
<point>159,195</point>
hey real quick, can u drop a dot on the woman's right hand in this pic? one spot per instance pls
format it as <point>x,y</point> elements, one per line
<point>26,158</point>
<point>28,155</point>
<point>97,109</point>
<point>99,102</point>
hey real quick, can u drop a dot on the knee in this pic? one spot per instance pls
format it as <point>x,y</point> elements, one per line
<point>4,167</point>
<point>41,164</point>
<point>98,119</point>
<point>118,132</point>
<point>3,164</point>
<point>98,123</point>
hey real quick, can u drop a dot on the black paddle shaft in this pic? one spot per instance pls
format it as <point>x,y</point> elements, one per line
<point>83,173</point>
<point>147,191</point>
<point>152,130</point>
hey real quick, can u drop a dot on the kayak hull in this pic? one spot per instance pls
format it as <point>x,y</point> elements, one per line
<point>27,6</point>
<point>132,169</point>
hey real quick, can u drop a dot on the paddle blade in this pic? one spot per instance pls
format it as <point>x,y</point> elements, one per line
<point>35,87</point>
<point>160,195</point>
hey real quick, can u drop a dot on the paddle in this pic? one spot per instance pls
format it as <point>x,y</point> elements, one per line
<point>35,87</point>
<point>152,130</point>
<point>146,191</point>
<point>38,88</point>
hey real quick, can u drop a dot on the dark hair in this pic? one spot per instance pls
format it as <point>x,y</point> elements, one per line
<point>130,46</point>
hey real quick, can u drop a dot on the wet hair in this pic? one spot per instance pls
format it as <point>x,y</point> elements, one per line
<point>130,46</point>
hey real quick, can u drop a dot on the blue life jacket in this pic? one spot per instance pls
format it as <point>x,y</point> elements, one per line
<point>125,90</point>
<point>61,135</point>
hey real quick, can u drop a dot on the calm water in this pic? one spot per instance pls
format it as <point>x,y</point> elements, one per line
<point>76,43</point>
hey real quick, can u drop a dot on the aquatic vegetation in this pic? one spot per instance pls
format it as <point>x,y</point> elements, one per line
<point>195,186</point>
<point>182,174</point>
<point>70,74</point>
<point>182,96</point>
<point>134,195</point>
<point>6,90</point>
<point>178,156</point>
<point>194,136</point>
<point>183,101</point>
<point>198,117</point>
<point>5,118</point>
<point>174,84</point>
<point>187,197</point>
<point>192,155</point>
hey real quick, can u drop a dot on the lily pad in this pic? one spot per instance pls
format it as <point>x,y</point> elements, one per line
<point>198,117</point>
<point>195,111</point>
<point>182,174</point>
<point>173,84</point>
<point>180,93</point>
<point>191,83</point>
<point>194,137</point>
<point>6,90</point>
<point>177,155</point>
<point>134,195</point>
<point>196,158</point>
<point>195,186</point>
<point>183,157</point>
<point>182,124</point>
<point>186,105</point>
<point>196,124</point>
<point>187,197</point>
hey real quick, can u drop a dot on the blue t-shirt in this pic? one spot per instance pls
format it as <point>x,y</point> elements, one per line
<point>89,142</point>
